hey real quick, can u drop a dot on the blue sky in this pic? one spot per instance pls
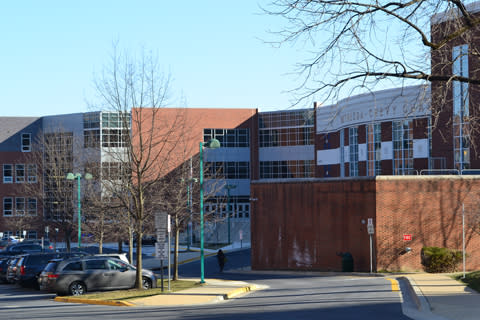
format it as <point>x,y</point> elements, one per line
<point>213,49</point>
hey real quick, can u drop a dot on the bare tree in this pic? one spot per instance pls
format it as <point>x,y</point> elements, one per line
<point>136,90</point>
<point>54,193</point>
<point>357,45</point>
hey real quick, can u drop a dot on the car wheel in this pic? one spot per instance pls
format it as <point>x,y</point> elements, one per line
<point>77,288</point>
<point>146,283</point>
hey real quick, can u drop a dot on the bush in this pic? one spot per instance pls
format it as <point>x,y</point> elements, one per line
<point>435,259</point>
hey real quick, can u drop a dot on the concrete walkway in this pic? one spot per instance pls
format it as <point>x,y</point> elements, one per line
<point>444,297</point>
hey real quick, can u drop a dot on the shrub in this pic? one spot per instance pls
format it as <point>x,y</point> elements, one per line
<point>435,259</point>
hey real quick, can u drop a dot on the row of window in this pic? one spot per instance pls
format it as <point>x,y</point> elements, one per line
<point>229,138</point>
<point>109,138</point>
<point>287,169</point>
<point>227,170</point>
<point>19,173</point>
<point>281,137</point>
<point>30,234</point>
<point>19,206</point>
<point>286,119</point>
<point>239,207</point>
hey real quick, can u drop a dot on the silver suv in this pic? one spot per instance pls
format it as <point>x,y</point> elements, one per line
<point>76,276</point>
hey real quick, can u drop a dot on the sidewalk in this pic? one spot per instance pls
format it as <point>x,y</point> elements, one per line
<point>214,290</point>
<point>441,297</point>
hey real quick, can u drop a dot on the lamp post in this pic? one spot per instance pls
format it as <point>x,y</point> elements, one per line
<point>78,176</point>
<point>211,144</point>
<point>229,187</point>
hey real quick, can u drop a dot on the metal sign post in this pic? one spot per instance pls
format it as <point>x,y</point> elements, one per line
<point>160,245</point>
<point>371,231</point>
<point>169,229</point>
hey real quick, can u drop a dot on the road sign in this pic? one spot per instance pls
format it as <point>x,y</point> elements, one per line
<point>370,229</point>
<point>161,250</point>
<point>161,226</point>
<point>407,237</point>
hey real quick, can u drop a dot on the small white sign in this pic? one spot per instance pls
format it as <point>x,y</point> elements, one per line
<point>370,229</point>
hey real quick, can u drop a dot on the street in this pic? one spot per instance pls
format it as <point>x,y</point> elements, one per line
<point>287,295</point>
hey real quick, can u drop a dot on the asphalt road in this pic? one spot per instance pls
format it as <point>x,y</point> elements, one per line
<point>288,295</point>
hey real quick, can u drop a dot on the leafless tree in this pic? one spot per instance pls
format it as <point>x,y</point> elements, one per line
<point>358,45</point>
<point>54,193</point>
<point>136,90</point>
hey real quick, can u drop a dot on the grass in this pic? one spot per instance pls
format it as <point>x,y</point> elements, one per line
<point>472,280</point>
<point>176,285</point>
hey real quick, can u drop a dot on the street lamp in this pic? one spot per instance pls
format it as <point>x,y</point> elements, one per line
<point>211,144</point>
<point>229,187</point>
<point>78,176</point>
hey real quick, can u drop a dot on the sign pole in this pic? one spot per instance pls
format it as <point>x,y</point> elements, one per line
<point>169,228</point>
<point>371,231</point>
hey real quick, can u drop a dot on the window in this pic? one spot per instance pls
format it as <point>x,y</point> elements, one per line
<point>287,169</point>
<point>95,264</point>
<point>402,147</point>
<point>353,148</point>
<point>292,128</point>
<point>74,266</point>
<point>19,173</point>
<point>20,206</point>
<point>32,173</point>
<point>7,173</point>
<point>461,137</point>
<point>229,138</point>
<point>7,206</point>
<point>374,145</point>
<point>227,170</point>
<point>32,206</point>
<point>32,234</point>
<point>26,142</point>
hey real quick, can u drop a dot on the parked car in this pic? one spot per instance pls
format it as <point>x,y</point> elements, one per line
<point>120,256</point>
<point>31,265</point>
<point>12,269</point>
<point>76,276</point>
<point>3,269</point>
<point>20,248</point>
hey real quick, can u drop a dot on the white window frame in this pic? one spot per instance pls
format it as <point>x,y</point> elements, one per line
<point>8,179</point>
<point>32,173</point>
<point>8,213</point>
<point>26,147</point>
<point>19,206</point>
<point>19,178</point>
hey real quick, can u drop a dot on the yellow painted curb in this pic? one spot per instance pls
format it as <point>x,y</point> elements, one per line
<point>394,283</point>
<point>94,301</point>
<point>238,291</point>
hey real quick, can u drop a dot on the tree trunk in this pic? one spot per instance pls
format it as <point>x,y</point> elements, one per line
<point>120,248</point>
<point>100,243</point>
<point>130,245</point>
<point>138,281</point>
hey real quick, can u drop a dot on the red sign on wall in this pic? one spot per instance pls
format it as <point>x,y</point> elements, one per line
<point>407,237</point>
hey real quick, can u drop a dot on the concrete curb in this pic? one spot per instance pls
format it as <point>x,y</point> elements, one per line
<point>234,293</point>
<point>215,298</point>
<point>94,301</point>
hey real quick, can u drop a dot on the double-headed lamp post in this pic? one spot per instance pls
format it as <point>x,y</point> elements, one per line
<point>229,187</point>
<point>211,144</point>
<point>78,176</point>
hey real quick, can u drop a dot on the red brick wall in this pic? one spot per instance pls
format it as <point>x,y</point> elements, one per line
<point>303,225</point>
<point>430,209</point>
